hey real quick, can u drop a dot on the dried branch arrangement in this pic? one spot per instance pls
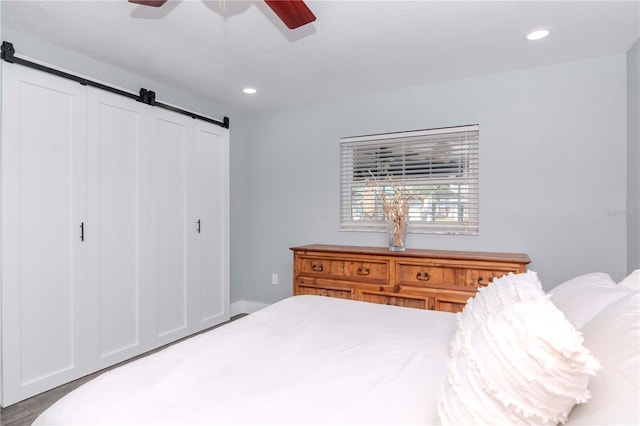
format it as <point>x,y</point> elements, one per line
<point>395,206</point>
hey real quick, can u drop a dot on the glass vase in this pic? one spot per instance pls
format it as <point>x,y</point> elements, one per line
<point>397,233</point>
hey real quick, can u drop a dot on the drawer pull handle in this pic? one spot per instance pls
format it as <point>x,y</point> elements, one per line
<point>363,271</point>
<point>317,267</point>
<point>423,276</point>
<point>480,279</point>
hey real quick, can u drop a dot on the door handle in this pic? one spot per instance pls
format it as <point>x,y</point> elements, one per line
<point>198,226</point>
<point>81,231</point>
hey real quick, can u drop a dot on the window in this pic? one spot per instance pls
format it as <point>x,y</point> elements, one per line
<point>439,167</point>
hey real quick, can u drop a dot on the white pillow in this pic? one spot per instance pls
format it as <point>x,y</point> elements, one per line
<point>501,292</point>
<point>523,365</point>
<point>613,336</point>
<point>583,297</point>
<point>632,281</point>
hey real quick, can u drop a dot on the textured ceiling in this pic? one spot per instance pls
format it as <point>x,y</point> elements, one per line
<point>212,49</point>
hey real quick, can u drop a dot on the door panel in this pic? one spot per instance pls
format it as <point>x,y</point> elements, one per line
<point>212,156</point>
<point>42,258</point>
<point>46,233</point>
<point>170,210</point>
<point>115,148</point>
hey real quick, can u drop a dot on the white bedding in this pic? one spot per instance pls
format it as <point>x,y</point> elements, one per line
<point>307,360</point>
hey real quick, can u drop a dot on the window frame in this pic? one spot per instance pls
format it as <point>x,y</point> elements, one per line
<point>462,144</point>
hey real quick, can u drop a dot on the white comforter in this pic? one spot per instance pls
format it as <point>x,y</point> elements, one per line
<point>306,360</point>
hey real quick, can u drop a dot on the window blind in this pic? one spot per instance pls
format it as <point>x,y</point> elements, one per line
<point>438,167</point>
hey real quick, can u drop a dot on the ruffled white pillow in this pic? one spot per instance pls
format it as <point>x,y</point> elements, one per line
<point>524,364</point>
<point>500,293</point>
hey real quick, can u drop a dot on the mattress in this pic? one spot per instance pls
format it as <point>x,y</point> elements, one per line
<point>308,360</point>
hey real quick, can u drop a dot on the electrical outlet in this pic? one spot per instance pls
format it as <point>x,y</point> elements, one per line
<point>274,279</point>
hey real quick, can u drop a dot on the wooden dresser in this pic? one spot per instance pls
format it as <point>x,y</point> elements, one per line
<point>426,279</point>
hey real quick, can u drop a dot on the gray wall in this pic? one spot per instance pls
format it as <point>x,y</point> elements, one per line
<point>633,157</point>
<point>553,151</point>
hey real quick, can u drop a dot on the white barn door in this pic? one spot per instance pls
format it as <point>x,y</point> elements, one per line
<point>117,158</point>
<point>210,201</point>
<point>189,202</point>
<point>169,220</point>
<point>44,276</point>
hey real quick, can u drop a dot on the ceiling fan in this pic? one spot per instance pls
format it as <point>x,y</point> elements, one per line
<point>294,13</point>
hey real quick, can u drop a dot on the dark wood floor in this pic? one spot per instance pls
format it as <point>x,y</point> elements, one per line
<point>25,412</point>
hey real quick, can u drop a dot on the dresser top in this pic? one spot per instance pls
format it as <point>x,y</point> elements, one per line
<point>425,253</point>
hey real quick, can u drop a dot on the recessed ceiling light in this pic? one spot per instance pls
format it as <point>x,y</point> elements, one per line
<point>538,34</point>
<point>249,90</point>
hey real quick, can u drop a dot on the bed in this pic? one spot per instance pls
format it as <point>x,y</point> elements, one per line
<point>316,360</point>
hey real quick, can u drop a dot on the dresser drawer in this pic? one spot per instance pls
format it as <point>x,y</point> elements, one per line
<point>329,291</point>
<point>407,301</point>
<point>364,270</point>
<point>416,275</point>
<point>447,301</point>
<point>450,301</point>
<point>482,277</point>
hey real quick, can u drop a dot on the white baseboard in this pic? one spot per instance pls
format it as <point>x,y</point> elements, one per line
<point>246,307</point>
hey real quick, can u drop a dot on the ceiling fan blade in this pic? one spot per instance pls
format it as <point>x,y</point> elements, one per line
<point>154,3</point>
<point>294,13</point>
